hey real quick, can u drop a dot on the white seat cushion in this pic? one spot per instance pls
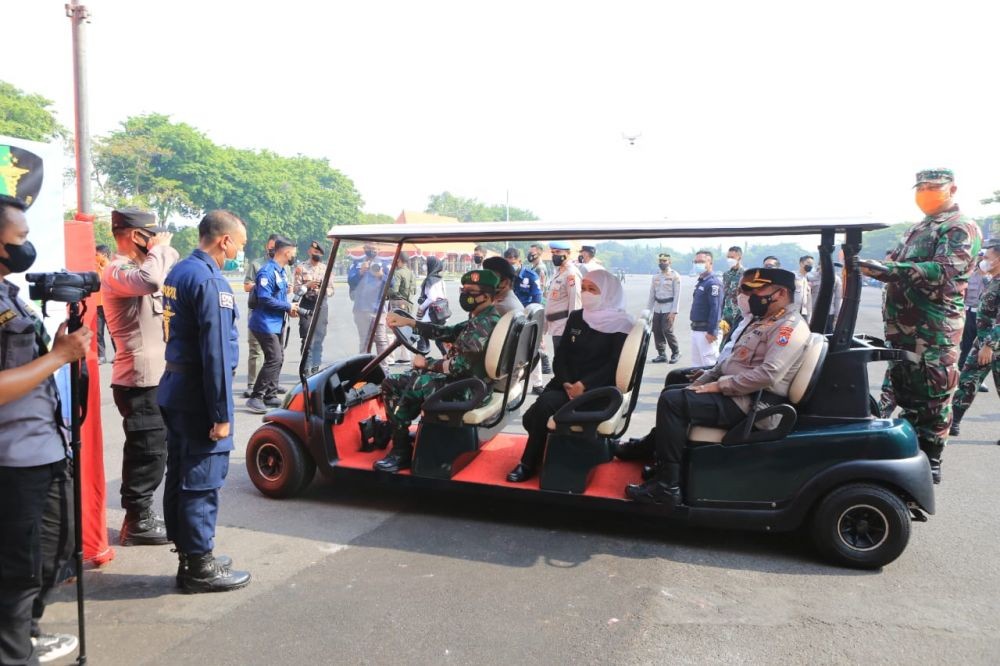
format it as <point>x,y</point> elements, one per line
<point>706,434</point>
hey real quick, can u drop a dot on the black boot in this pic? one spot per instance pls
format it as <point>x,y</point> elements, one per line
<point>635,448</point>
<point>546,364</point>
<point>650,471</point>
<point>400,456</point>
<point>956,419</point>
<point>936,470</point>
<point>223,561</point>
<point>204,573</point>
<point>142,528</point>
<point>664,489</point>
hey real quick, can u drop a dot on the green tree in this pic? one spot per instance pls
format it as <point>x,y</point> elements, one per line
<point>376,218</point>
<point>27,116</point>
<point>473,210</point>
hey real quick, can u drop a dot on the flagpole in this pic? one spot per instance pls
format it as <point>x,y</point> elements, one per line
<point>78,15</point>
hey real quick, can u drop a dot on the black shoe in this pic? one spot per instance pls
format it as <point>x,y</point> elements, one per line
<point>654,491</point>
<point>257,406</point>
<point>538,390</point>
<point>272,401</point>
<point>281,390</point>
<point>248,393</point>
<point>520,474</point>
<point>634,449</point>
<point>650,471</point>
<point>143,528</point>
<point>204,573</point>
<point>400,457</point>
<point>955,429</point>
<point>546,364</point>
<point>659,358</point>
<point>676,356</point>
<point>936,470</point>
<point>223,561</point>
<point>983,389</point>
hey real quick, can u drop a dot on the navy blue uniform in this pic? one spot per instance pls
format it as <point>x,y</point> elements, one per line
<point>706,306</point>
<point>526,287</point>
<point>199,325</point>
<point>271,291</point>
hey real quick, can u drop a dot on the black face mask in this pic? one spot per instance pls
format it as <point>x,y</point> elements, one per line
<point>19,257</point>
<point>759,304</point>
<point>314,258</point>
<point>270,253</point>
<point>557,260</point>
<point>477,259</point>
<point>808,268</point>
<point>370,254</point>
<point>664,266</point>
<point>580,259</point>
<point>468,302</point>
<point>142,248</point>
<point>532,257</point>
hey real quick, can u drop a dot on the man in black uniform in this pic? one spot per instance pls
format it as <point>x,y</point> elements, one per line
<point>36,486</point>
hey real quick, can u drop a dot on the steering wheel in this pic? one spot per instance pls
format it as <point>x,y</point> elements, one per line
<point>408,336</point>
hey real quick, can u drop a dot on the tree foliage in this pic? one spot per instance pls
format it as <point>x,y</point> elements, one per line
<point>174,168</point>
<point>27,116</point>
<point>473,210</point>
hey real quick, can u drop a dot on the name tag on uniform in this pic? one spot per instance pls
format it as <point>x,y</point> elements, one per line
<point>226,300</point>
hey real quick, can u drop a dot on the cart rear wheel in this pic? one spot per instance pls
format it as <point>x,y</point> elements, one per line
<point>862,526</point>
<point>277,462</point>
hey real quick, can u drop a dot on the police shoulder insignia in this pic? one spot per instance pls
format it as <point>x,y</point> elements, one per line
<point>715,290</point>
<point>784,335</point>
<point>226,300</point>
<point>263,282</point>
<point>6,316</point>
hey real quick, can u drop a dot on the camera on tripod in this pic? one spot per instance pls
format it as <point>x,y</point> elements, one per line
<point>61,286</point>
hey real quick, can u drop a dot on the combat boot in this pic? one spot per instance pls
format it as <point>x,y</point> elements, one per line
<point>224,561</point>
<point>546,364</point>
<point>659,358</point>
<point>204,573</point>
<point>635,448</point>
<point>664,489</point>
<point>956,420</point>
<point>142,528</point>
<point>936,470</point>
<point>400,456</point>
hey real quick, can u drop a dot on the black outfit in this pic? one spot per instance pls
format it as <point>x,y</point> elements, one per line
<point>266,385</point>
<point>145,453</point>
<point>34,547</point>
<point>679,408</point>
<point>102,324</point>
<point>968,337</point>
<point>583,355</point>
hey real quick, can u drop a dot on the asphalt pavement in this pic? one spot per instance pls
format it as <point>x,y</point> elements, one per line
<point>363,573</point>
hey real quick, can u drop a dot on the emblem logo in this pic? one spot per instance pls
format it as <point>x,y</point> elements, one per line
<point>21,173</point>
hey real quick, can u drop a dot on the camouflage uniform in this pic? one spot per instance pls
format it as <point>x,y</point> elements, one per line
<point>924,312</point>
<point>404,394</point>
<point>988,334</point>
<point>730,290</point>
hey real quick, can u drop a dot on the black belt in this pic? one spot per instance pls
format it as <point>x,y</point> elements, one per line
<point>557,316</point>
<point>183,368</point>
<point>699,326</point>
<point>664,300</point>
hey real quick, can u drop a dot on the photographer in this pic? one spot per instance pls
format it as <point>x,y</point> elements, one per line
<point>307,280</point>
<point>36,490</point>
<point>133,304</point>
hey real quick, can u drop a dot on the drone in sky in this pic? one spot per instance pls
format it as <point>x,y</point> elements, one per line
<point>631,138</point>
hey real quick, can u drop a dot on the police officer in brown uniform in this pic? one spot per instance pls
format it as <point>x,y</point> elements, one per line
<point>133,306</point>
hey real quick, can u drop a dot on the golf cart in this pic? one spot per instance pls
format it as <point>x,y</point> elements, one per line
<point>832,465</point>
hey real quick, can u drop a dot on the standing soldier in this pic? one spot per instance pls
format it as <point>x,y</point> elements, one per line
<point>255,355</point>
<point>706,313</point>
<point>402,292</point>
<point>199,326</point>
<point>664,299</point>
<point>924,309</point>
<point>133,305</point>
<point>984,354</point>
<point>563,293</point>
<point>731,289</point>
<point>308,277</point>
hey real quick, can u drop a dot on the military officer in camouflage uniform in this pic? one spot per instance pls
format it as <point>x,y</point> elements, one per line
<point>985,352</point>
<point>664,299</point>
<point>404,394</point>
<point>926,276</point>
<point>731,290</point>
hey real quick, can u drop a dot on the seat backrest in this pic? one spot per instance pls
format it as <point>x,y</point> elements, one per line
<point>808,374</point>
<point>633,353</point>
<point>535,312</point>
<point>502,345</point>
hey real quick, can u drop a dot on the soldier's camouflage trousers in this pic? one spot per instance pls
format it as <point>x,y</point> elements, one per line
<point>404,394</point>
<point>923,392</point>
<point>887,400</point>
<point>973,375</point>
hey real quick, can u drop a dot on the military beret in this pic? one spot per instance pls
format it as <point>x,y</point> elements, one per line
<point>135,218</point>
<point>991,244</point>
<point>938,176</point>
<point>500,266</point>
<point>588,248</point>
<point>663,256</point>
<point>316,246</point>
<point>760,277</point>
<point>482,278</point>
<point>559,245</point>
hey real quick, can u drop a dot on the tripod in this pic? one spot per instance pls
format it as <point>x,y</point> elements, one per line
<point>78,412</point>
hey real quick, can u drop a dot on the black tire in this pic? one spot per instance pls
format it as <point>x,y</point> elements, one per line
<point>861,526</point>
<point>277,462</point>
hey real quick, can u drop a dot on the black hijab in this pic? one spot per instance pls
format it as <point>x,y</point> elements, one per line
<point>434,268</point>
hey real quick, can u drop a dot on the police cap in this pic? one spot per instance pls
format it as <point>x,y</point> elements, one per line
<point>316,246</point>
<point>486,279</point>
<point>588,248</point>
<point>937,176</point>
<point>135,218</point>
<point>560,245</point>
<point>500,266</point>
<point>755,278</point>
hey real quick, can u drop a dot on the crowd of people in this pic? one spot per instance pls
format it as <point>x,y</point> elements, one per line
<point>173,326</point>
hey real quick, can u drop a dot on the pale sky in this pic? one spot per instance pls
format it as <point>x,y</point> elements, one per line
<point>746,110</point>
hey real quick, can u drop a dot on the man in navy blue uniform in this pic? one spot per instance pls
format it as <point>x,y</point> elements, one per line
<point>195,397</point>
<point>526,285</point>
<point>268,321</point>
<point>706,312</point>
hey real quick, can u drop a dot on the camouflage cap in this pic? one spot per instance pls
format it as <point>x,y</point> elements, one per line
<point>938,176</point>
<point>664,256</point>
<point>482,278</point>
